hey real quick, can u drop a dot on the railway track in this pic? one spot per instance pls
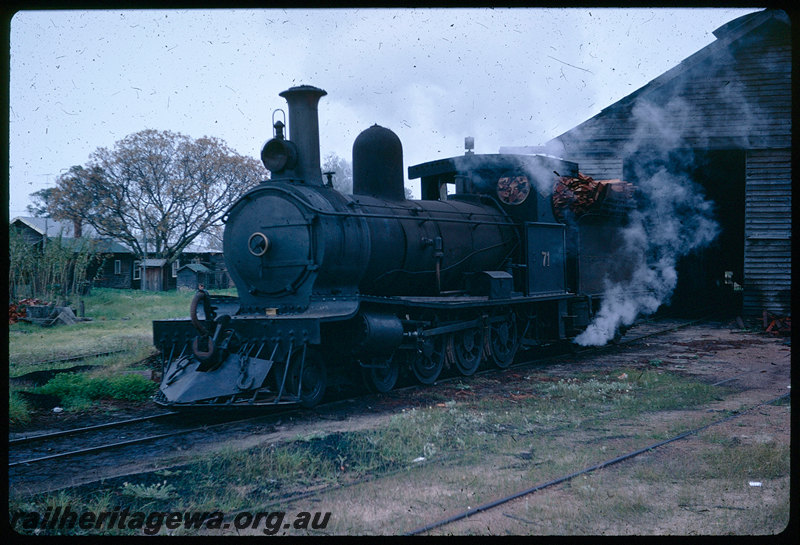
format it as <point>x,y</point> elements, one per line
<point>287,499</point>
<point>502,500</point>
<point>79,357</point>
<point>466,513</point>
<point>568,477</point>
<point>77,442</point>
<point>29,439</point>
<point>27,452</point>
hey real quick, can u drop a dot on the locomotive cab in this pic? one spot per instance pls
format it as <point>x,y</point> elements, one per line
<point>521,184</point>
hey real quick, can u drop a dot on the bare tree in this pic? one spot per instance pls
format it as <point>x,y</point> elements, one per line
<point>343,172</point>
<point>162,187</point>
<point>211,238</point>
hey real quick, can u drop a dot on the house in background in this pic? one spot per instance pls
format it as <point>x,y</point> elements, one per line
<point>119,267</point>
<point>730,104</point>
<point>114,269</point>
<point>34,229</point>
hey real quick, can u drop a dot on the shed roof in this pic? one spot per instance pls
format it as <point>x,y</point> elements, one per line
<point>725,34</point>
<point>196,267</point>
<point>65,230</point>
<point>711,97</point>
<point>101,246</point>
<point>54,228</point>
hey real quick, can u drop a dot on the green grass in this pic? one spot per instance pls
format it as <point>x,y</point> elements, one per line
<point>471,436</point>
<point>18,409</point>
<point>121,320</point>
<point>760,460</point>
<point>78,390</point>
<point>468,431</point>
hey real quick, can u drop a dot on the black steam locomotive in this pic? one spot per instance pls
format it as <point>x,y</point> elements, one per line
<point>332,286</point>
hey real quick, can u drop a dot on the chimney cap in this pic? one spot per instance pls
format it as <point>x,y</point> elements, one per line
<point>306,88</point>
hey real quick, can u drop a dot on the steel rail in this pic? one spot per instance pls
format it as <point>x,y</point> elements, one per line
<point>138,440</point>
<point>281,413</point>
<point>73,431</point>
<point>79,357</point>
<point>492,504</point>
<point>285,500</point>
<point>488,370</point>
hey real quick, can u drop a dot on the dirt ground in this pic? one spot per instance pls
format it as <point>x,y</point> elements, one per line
<point>677,489</point>
<point>755,366</point>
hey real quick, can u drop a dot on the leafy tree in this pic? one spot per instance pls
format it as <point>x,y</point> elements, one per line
<point>41,200</point>
<point>48,271</point>
<point>156,185</point>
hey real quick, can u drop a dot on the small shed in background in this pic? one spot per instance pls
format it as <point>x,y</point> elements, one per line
<point>192,275</point>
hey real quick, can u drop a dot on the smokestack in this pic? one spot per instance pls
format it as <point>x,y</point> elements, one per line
<point>304,129</point>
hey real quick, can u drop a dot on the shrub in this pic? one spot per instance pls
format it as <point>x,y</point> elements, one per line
<point>18,409</point>
<point>80,386</point>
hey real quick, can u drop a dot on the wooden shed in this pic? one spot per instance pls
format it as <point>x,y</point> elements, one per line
<point>726,110</point>
<point>192,275</point>
<point>153,275</point>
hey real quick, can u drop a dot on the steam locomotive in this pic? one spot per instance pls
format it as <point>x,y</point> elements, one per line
<point>497,255</point>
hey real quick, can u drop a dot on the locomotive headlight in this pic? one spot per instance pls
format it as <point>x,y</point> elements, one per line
<point>258,244</point>
<point>278,154</point>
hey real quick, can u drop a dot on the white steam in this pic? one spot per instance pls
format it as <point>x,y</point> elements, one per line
<point>672,220</point>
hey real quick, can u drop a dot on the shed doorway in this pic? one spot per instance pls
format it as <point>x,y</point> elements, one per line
<point>710,279</point>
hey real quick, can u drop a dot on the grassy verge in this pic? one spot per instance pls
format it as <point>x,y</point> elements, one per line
<point>459,453</point>
<point>19,412</point>
<point>78,390</point>
<point>121,320</point>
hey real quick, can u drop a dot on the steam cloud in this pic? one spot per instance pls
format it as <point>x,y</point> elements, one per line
<point>672,220</point>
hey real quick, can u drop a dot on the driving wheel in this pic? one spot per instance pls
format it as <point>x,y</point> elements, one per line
<point>466,349</point>
<point>503,340</point>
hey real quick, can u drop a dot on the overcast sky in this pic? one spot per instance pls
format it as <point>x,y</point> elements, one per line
<point>81,80</point>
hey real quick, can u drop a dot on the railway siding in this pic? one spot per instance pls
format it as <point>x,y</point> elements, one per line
<point>417,456</point>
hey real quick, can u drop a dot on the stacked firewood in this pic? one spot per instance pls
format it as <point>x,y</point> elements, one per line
<point>16,311</point>
<point>777,325</point>
<point>582,194</point>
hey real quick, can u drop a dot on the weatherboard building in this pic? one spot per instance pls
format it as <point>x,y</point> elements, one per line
<point>723,118</point>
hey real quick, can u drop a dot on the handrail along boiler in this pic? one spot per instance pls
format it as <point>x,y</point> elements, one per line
<point>375,285</point>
